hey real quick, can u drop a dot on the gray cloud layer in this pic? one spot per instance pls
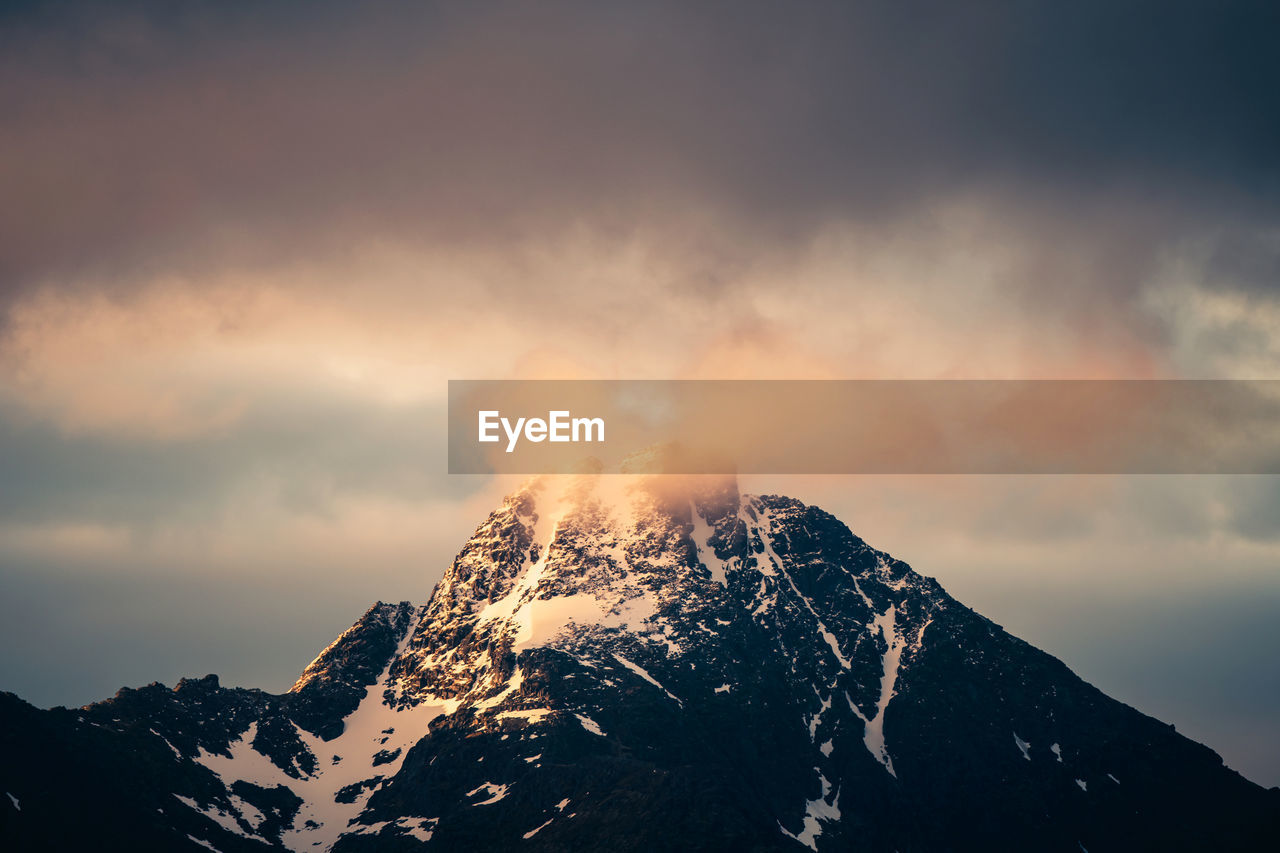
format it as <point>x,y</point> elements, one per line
<point>144,137</point>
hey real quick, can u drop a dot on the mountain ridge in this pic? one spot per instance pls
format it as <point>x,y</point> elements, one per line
<point>657,662</point>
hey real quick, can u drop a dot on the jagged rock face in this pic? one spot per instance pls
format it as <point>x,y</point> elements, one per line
<point>638,663</point>
<point>333,684</point>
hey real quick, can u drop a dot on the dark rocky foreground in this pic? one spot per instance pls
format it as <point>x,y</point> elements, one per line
<point>637,664</point>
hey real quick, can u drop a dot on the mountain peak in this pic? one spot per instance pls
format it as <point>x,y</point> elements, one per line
<point>608,650</point>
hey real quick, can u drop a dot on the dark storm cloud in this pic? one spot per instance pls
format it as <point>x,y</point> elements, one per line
<point>146,138</point>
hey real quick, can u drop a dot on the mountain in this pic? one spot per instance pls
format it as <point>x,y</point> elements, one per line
<point>637,663</point>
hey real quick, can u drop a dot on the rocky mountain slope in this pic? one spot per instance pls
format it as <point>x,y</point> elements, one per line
<point>637,663</point>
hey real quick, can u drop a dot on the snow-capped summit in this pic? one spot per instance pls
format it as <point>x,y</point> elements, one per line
<point>633,663</point>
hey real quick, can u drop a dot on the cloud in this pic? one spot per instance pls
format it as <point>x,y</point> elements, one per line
<point>243,245</point>
<point>867,191</point>
<point>147,139</point>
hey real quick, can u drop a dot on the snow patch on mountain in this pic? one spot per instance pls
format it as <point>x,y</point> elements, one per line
<point>702,533</point>
<point>777,566</point>
<point>817,812</point>
<point>358,756</point>
<point>531,833</point>
<point>590,724</point>
<point>644,673</point>
<point>491,791</point>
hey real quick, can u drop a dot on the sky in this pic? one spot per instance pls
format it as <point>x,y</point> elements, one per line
<point>243,246</point>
